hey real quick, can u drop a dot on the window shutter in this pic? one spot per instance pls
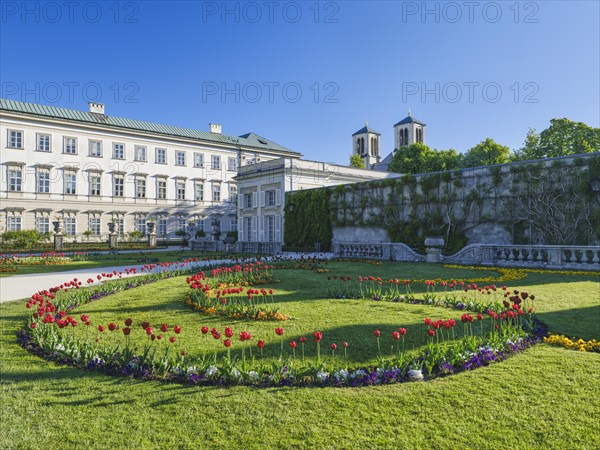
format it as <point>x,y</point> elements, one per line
<point>277,228</point>
<point>254,199</point>
<point>240,227</point>
<point>262,199</point>
<point>278,197</point>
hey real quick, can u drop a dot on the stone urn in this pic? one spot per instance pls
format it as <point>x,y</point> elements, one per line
<point>433,248</point>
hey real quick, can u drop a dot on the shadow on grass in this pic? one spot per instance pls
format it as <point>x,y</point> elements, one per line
<point>580,323</point>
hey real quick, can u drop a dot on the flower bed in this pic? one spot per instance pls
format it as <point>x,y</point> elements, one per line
<point>11,263</point>
<point>152,350</point>
<point>573,344</point>
<point>223,294</point>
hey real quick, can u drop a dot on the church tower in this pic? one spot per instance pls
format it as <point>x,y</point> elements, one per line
<point>365,142</point>
<point>408,131</point>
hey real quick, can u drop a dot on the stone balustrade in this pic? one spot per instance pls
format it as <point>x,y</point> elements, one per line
<point>534,256</point>
<point>263,248</point>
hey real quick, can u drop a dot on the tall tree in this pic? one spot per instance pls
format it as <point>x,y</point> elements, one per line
<point>486,153</point>
<point>419,158</point>
<point>563,137</point>
<point>357,161</point>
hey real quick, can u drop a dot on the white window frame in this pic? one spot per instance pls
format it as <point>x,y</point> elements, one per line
<point>199,160</point>
<point>216,193</point>
<point>158,152</point>
<point>70,145</point>
<point>45,145</point>
<point>140,188</point>
<point>118,149</point>
<point>161,227</point>
<point>180,190</point>
<point>199,191</point>
<point>215,162</point>
<point>14,223</point>
<point>92,148</point>
<point>179,158</point>
<point>141,153</point>
<point>95,225</point>
<point>14,139</point>
<point>42,224</point>
<point>39,187</point>
<point>232,164</point>
<point>95,180</point>
<point>161,189</point>
<point>15,179</point>
<point>120,185</point>
<point>70,181</point>
<point>70,222</point>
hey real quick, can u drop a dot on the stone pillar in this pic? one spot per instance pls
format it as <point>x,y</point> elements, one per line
<point>151,234</point>
<point>113,237</point>
<point>433,248</point>
<point>58,235</point>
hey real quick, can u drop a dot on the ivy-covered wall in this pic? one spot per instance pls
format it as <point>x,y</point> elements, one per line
<point>308,219</point>
<point>541,202</point>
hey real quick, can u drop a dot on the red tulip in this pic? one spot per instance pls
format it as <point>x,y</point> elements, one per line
<point>84,317</point>
<point>164,328</point>
<point>177,329</point>
<point>260,344</point>
<point>226,343</point>
<point>345,344</point>
<point>293,344</point>
<point>317,335</point>
<point>396,335</point>
<point>159,337</point>
<point>145,325</point>
<point>128,322</point>
<point>126,331</point>
<point>377,333</point>
<point>333,346</point>
<point>217,335</point>
<point>112,326</point>
<point>149,331</point>
<point>402,331</point>
<point>204,330</point>
<point>279,331</point>
<point>101,328</point>
<point>427,321</point>
<point>228,332</point>
<point>33,326</point>
<point>302,339</point>
<point>172,339</point>
<point>479,316</point>
<point>431,333</point>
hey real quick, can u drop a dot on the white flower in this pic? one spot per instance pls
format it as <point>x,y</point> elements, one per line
<point>322,376</point>
<point>60,347</point>
<point>212,371</point>
<point>358,374</point>
<point>253,375</point>
<point>340,375</point>
<point>235,373</point>
<point>191,370</point>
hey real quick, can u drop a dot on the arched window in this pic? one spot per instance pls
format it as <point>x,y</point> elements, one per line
<point>400,138</point>
<point>406,136</point>
<point>362,145</point>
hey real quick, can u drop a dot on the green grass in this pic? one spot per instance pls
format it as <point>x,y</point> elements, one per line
<point>97,261</point>
<point>546,397</point>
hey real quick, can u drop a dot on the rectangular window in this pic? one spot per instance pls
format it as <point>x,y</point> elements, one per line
<point>270,198</point>
<point>161,227</point>
<point>118,186</point>
<point>270,228</point>
<point>140,153</point>
<point>94,184</point>
<point>42,225</point>
<point>15,139</point>
<point>43,181</point>
<point>95,225</point>
<point>43,142</point>
<point>199,192</point>
<point>232,193</point>
<point>161,156</point>
<point>181,223</point>
<point>70,145</point>
<point>161,189</point>
<point>140,225</point>
<point>200,224</point>
<point>198,160</point>
<point>216,193</point>
<point>70,224</point>
<point>70,183</point>
<point>119,225</point>
<point>118,151</point>
<point>232,164</point>
<point>233,225</point>
<point>248,200</point>
<point>14,223</point>
<point>15,179</point>
<point>180,158</point>
<point>180,188</point>
<point>140,188</point>
<point>216,162</point>
<point>96,148</point>
<point>247,228</point>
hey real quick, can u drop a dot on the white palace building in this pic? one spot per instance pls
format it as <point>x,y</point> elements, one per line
<point>90,169</point>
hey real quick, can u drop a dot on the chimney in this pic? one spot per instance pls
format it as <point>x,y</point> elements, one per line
<point>215,128</point>
<point>97,108</point>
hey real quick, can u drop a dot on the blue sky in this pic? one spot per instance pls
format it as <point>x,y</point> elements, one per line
<point>307,75</point>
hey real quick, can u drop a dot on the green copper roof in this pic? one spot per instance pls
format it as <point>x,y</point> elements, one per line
<point>247,140</point>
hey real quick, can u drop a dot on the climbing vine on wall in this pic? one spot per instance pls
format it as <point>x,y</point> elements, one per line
<point>308,219</point>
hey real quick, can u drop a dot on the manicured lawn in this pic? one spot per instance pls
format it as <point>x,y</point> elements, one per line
<point>546,397</point>
<point>97,261</point>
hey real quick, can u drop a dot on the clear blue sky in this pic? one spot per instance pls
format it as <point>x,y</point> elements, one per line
<point>169,62</point>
